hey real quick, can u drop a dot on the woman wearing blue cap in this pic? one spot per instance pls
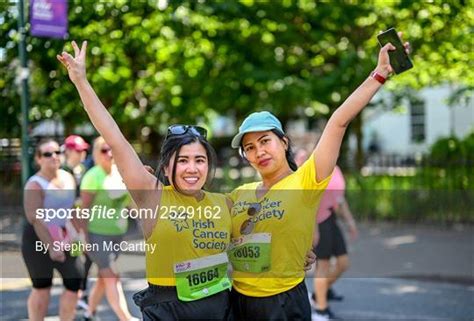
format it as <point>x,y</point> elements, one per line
<point>273,220</point>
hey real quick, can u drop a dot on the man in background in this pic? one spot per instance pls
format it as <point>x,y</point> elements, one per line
<point>75,152</point>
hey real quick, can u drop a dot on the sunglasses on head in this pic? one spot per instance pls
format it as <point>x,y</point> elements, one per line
<point>49,154</point>
<point>176,130</point>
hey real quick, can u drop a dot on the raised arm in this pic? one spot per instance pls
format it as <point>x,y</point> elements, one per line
<point>327,150</point>
<point>129,164</point>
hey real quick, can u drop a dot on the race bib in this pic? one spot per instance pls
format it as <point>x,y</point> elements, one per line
<point>251,253</point>
<point>203,277</point>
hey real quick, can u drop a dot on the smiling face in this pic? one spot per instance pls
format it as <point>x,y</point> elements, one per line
<point>191,168</point>
<point>265,151</point>
<point>48,156</point>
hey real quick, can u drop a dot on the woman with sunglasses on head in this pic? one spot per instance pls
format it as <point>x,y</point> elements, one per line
<point>186,264</point>
<point>275,217</point>
<point>54,190</point>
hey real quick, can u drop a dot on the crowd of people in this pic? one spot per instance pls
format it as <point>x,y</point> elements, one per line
<point>65,180</point>
<point>263,233</point>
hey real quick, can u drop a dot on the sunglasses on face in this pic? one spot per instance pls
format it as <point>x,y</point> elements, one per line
<point>176,130</point>
<point>49,154</point>
<point>105,150</point>
<point>248,225</point>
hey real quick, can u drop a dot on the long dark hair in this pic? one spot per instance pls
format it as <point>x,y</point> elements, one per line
<point>172,145</point>
<point>290,156</point>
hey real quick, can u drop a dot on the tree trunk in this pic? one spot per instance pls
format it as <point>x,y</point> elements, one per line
<point>357,128</point>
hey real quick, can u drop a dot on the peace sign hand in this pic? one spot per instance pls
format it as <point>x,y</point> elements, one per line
<point>76,66</point>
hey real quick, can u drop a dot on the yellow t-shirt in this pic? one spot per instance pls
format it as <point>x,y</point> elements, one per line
<point>288,212</point>
<point>186,229</point>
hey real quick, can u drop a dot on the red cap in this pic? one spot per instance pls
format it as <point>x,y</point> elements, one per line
<point>76,142</point>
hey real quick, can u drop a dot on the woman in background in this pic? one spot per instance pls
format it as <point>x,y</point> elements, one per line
<point>50,188</point>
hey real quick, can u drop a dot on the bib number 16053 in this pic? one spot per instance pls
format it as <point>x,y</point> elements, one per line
<point>247,252</point>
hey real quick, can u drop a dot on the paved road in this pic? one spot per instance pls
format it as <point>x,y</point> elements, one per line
<point>365,299</point>
<point>398,272</point>
<point>399,299</point>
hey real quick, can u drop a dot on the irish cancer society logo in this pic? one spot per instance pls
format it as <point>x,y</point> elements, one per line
<point>180,224</point>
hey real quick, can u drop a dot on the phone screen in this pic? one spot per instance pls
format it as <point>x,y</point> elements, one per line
<point>399,59</point>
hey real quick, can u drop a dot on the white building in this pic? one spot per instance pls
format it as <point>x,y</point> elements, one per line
<point>410,130</point>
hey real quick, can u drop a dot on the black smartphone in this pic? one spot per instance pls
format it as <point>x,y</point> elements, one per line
<point>399,59</point>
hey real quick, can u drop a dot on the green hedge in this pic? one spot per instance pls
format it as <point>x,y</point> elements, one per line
<point>404,199</point>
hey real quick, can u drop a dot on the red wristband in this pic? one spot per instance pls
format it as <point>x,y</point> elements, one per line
<point>381,79</point>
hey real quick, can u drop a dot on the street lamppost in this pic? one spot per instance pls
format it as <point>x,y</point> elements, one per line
<point>25,97</point>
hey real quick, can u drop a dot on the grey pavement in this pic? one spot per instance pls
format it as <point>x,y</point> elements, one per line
<point>408,272</point>
<point>413,251</point>
<point>400,299</point>
<point>398,272</point>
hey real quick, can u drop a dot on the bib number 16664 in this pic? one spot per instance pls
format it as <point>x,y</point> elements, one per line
<point>202,277</point>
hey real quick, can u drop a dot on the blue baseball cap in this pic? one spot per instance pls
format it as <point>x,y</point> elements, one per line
<point>256,122</point>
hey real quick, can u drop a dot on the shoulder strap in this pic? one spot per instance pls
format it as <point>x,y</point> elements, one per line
<point>43,182</point>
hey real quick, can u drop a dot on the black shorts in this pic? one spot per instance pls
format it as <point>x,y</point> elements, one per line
<point>103,257</point>
<point>331,242</point>
<point>291,305</point>
<point>40,266</point>
<point>161,303</point>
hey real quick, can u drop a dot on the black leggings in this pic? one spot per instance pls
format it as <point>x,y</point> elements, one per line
<point>161,303</point>
<point>87,267</point>
<point>40,266</point>
<point>291,305</point>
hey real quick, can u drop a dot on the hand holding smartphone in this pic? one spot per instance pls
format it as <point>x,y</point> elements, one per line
<point>399,59</point>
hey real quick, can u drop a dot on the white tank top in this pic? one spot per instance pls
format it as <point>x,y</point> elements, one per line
<point>56,198</point>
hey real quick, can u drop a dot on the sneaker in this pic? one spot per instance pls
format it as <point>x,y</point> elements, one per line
<point>82,304</point>
<point>333,296</point>
<point>90,317</point>
<point>320,315</point>
<point>323,315</point>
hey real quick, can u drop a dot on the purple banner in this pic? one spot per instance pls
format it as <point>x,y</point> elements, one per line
<point>48,18</point>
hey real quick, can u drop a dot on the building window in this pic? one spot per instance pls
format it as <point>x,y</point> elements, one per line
<point>417,121</point>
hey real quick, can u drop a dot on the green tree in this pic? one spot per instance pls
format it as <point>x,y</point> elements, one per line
<point>188,60</point>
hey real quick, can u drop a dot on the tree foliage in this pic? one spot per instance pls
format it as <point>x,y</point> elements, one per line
<point>154,63</point>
